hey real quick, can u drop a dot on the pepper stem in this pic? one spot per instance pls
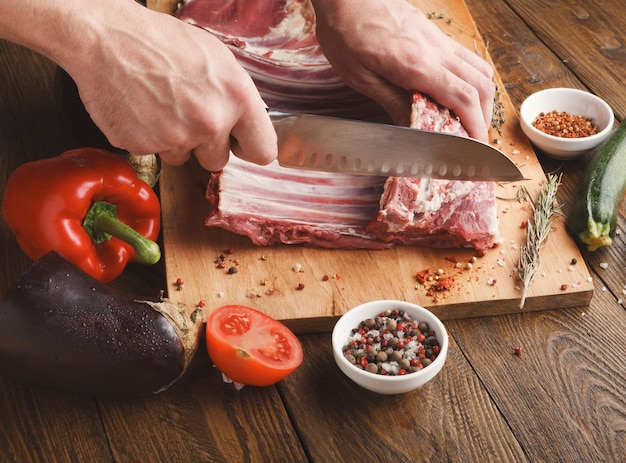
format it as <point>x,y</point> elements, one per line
<point>101,223</point>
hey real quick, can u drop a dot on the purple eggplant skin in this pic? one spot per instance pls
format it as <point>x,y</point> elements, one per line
<point>62,329</point>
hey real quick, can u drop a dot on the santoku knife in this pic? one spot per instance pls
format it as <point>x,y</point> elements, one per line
<point>322,143</point>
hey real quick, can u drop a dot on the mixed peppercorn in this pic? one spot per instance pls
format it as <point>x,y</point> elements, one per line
<point>392,344</point>
<point>565,125</point>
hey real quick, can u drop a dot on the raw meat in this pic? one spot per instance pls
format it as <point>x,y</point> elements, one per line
<point>426,114</point>
<point>235,18</point>
<point>275,41</point>
<point>272,204</point>
<point>270,30</point>
<point>436,213</point>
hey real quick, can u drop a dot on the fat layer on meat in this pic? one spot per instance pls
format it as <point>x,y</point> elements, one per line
<point>272,204</point>
<point>436,213</point>
<point>432,212</point>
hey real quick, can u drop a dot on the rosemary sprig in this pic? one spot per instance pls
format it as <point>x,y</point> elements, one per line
<point>450,20</point>
<point>545,210</point>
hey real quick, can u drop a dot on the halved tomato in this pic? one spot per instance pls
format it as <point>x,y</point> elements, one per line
<point>250,347</point>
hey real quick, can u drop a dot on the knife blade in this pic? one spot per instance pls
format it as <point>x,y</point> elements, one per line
<point>331,144</point>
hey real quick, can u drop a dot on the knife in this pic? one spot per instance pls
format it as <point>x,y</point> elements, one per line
<point>323,143</point>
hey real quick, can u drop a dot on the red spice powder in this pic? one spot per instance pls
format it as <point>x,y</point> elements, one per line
<point>422,275</point>
<point>564,125</point>
<point>444,284</point>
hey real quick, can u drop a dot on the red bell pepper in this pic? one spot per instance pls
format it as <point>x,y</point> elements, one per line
<point>87,205</point>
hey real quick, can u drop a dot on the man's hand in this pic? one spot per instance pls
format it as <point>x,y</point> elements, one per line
<point>174,89</point>
<point>150,82</point>
<point>386,49</point>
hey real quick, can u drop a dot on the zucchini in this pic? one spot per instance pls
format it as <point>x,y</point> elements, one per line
<point>593,216</point>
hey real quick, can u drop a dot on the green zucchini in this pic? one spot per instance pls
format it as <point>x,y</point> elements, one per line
<point>593,216</point>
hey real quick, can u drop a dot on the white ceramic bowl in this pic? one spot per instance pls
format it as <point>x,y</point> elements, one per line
<point>572,101</point>
<point>387,384</point>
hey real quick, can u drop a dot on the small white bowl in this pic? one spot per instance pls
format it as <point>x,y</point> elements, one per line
<point>572,101</point>
<point>387,384</point>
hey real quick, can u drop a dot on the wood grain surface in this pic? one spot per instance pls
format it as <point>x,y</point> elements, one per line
<point>561,401</point>
<point>266,279</point>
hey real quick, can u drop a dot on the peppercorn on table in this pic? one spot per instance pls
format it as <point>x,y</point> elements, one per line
<point>527,386</point>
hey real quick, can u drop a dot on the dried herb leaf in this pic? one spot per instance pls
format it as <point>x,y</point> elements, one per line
<point>545,209</point>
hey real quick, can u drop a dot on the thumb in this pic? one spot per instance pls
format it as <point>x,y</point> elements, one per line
<point>395,101</point>
<point>399,108</point>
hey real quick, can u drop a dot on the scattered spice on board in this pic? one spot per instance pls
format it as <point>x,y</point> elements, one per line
<point>327,277</point>
<point>437,283</point>
<point>422,275</point>
<point>231,265</point>
<point>564,125</point>
<point>443,284</point>
<point>266,287</point>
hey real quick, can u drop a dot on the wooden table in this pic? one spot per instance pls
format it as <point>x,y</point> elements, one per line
<point>562,400</point>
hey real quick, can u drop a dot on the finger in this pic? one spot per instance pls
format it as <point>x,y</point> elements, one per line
<point>470,112</point>
<point>478,73</point>
<point>483,85</point>
<point>474,60</point>
<point>395,101</point>
<point>470,96</point>
<point>392,98</point>
<point>174,157</point>
<point>213,157</point>
<point>236,149</point>
<point>462,98</point>
<point>253,138</point>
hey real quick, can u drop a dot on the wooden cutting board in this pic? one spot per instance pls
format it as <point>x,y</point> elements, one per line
<point>309,288</point>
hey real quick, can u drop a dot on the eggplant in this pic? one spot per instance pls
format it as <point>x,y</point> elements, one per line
<point>62,329</point>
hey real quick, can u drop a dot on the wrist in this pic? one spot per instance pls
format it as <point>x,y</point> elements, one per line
<point>67,31</point>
